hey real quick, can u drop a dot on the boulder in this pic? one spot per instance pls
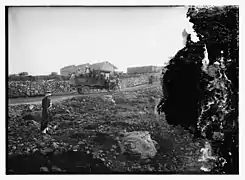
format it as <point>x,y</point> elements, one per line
<point>138,144</point>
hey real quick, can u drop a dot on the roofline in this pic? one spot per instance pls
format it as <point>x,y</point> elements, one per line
<point>112,65</point>
<point>105,62</point>
<point>83,64</point>
<point>68,66</point>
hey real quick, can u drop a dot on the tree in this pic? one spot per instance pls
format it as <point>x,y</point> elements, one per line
<point>23,74</point>
<point>218,27</point>
<point>195,94</point>
<point>53,74</point>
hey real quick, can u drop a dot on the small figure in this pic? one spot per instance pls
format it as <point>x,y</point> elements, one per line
<point>107,83</point>
<point>46,105</point>
<point>79,72</point>
<point>72,79</point>
<point>87,71</point>
<point>118,82</point>
<point>150,79</point>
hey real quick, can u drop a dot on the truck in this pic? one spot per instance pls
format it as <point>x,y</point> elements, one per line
<point>96,79</point>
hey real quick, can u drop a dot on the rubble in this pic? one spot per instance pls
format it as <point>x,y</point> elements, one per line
<point>85,139</point>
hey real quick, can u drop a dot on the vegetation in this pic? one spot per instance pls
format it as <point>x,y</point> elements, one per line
<point>207,100</point>
<point>23,74</point>
<point>218,28</point>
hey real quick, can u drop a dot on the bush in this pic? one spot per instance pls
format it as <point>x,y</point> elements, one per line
<point>23,74</point>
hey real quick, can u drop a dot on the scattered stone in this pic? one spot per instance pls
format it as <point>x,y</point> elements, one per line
<point>42,144</point>
<point>56,152</point>
<point>55,145</point>
<point>55,168</point>
<point>81,143</point>
<point>58,146</point>
<point>150,168</point>
<point>75,148</point>
<point>44,169</point>
<point>47,150</point>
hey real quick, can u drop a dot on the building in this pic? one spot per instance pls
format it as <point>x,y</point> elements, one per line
<point>142,69</point>
<point>159,68</point>
<point>104,66</point>
<point>67,70</point>
<point>82,66</point>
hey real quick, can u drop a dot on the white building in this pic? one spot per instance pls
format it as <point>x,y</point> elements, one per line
<point>67,70</point>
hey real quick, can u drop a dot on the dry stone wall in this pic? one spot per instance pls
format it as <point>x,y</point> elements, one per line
<point>38,88</point>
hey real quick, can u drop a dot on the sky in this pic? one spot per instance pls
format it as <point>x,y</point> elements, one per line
<point>44,39</point>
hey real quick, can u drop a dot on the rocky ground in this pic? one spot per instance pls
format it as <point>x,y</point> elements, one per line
<point>84,137</point>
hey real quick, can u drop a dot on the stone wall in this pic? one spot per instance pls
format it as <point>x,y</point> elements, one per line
<point>38,88</point>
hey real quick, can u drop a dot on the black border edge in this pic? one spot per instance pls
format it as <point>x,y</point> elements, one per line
<point>6,82</point>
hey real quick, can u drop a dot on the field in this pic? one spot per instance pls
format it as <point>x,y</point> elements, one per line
<point>84,137</point>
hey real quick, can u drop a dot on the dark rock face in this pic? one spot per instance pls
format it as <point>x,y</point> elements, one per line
<point>181,84</point>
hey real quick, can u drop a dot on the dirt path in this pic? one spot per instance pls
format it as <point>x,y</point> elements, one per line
<point>37,100</point>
